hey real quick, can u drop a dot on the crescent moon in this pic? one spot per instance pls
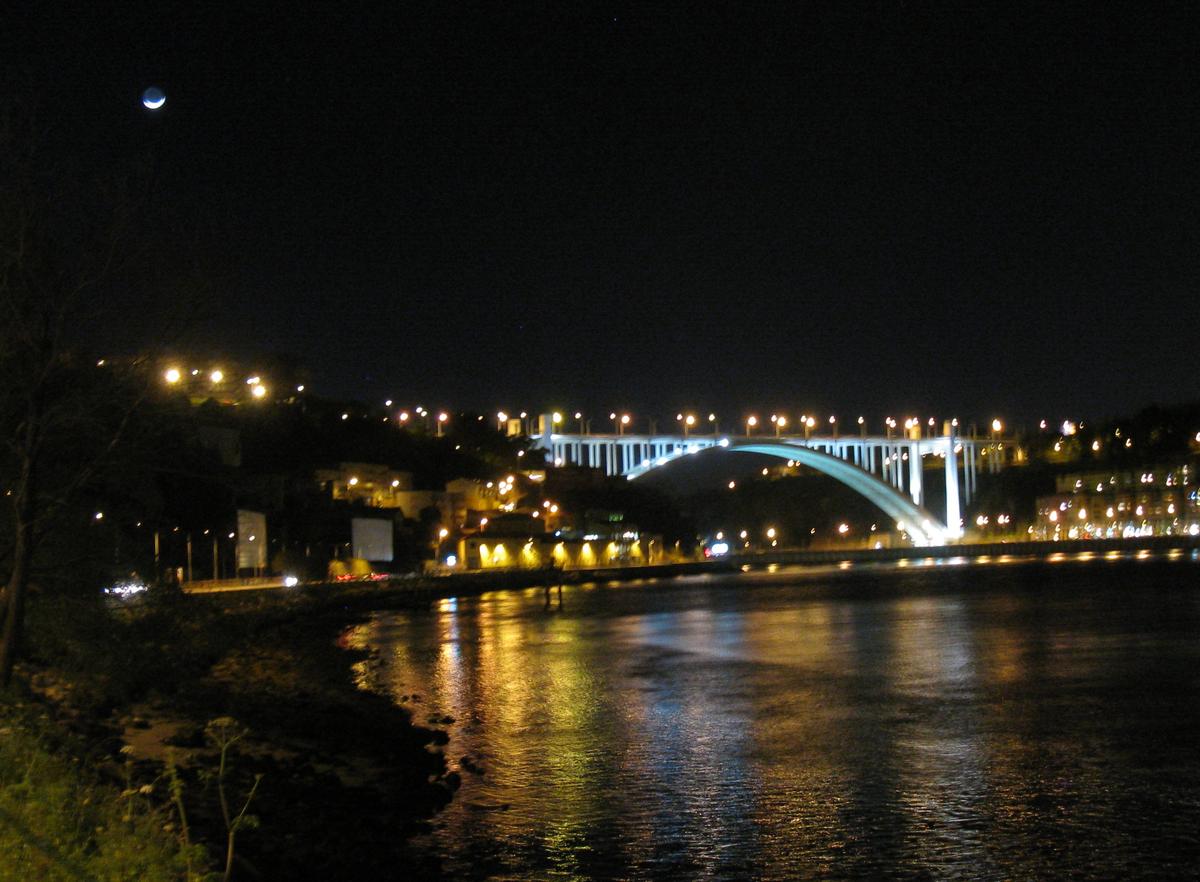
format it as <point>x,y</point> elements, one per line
<point>153,98</point>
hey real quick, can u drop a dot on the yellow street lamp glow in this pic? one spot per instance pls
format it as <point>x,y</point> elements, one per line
<point>443,416</point>
<point>556,417</point>
<point>770,532</point>
<point>300,388</point>
<point>443,533</point>
<point>253,381</point>
<point>689,420</point>
<point>811,422</point>
<point>781,422</point>
<point>624,419</point>
<point>997,425</point>
<point>353,482</point>
<point>861,420</point>
<point>578,415</point>
<point>843,529</point>
<point>172,375</point>
<point>502,416</point>
<point>217,376</point>
<point>752,421</point>
<point>259,391</point>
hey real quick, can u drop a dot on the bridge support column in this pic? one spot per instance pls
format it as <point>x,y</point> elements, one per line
<point>953,510</point>
<point>914,473</point>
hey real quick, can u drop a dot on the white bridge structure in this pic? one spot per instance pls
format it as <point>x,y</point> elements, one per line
<point>890,472</point>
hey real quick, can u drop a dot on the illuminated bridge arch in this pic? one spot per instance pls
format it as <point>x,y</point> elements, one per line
<point>923,527</point>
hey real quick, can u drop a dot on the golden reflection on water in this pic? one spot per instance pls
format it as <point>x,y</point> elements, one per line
<point>748,727</point>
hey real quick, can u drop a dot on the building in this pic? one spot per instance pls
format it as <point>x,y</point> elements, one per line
<point>377,486</point>
<point>1161,501</point>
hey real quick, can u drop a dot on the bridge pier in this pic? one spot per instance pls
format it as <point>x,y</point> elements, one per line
<point>915,469</point>
<point>953,511</point>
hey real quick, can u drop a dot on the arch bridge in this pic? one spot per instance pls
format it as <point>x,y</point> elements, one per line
<point>889,472</point>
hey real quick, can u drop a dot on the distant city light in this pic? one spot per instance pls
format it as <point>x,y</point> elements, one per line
<point>259,391</point>
<point>217,376</point>
<point>300,388</point>
<point>172,375</point>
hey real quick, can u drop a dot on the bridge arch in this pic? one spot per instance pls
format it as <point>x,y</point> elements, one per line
<point>923,527</point>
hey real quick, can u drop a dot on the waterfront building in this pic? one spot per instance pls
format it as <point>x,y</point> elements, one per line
<point>1149,501</point>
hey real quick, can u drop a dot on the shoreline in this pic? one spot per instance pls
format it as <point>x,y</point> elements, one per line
<point>349,777</point>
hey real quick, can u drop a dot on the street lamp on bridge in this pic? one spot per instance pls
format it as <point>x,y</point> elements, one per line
<point>751,422</point>
<point>712,418</point>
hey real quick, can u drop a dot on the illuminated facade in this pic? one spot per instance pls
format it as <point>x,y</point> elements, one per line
<point>1160,501</point>
<point>377,486</point>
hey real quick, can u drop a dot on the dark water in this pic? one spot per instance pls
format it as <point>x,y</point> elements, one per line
<point>996,720</point>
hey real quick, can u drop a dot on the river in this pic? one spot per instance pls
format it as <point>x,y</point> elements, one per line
<point>951,719</point>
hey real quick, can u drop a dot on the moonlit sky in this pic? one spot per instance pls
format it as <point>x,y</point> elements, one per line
<point>879,208</point>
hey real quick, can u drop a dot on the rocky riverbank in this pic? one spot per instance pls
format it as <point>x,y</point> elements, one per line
<point>347,777</point>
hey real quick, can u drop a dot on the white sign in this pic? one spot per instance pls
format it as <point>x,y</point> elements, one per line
<point>371,539</point>
<point>251,540</point>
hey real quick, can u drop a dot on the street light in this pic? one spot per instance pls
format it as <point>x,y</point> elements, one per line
<point>862,426</point>
<point>712,418</point>
<point>808,425</point>
<point>751,422</point>
<point>780,423</point>
<point>501,420</point>
<point>625,418</point>
<point>833,425</point>
<point>172,375</point>
<point>441,421</point>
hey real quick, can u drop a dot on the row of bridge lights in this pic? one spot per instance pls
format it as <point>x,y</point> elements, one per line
<point>689,421</point>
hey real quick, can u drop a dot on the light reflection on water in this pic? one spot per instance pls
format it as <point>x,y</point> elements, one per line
<point>1017,720</point>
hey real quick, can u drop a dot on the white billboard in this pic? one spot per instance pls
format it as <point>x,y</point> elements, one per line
<point>251,540</point>
<point>371,539</point>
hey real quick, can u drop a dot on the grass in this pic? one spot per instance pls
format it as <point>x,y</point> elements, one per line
<point>60,821</point>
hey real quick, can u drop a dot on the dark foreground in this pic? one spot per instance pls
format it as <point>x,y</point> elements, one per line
<point>974,721</point>
<point>347,776</point>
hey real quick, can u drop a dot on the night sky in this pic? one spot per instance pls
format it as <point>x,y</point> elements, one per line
<point>880,208</point>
